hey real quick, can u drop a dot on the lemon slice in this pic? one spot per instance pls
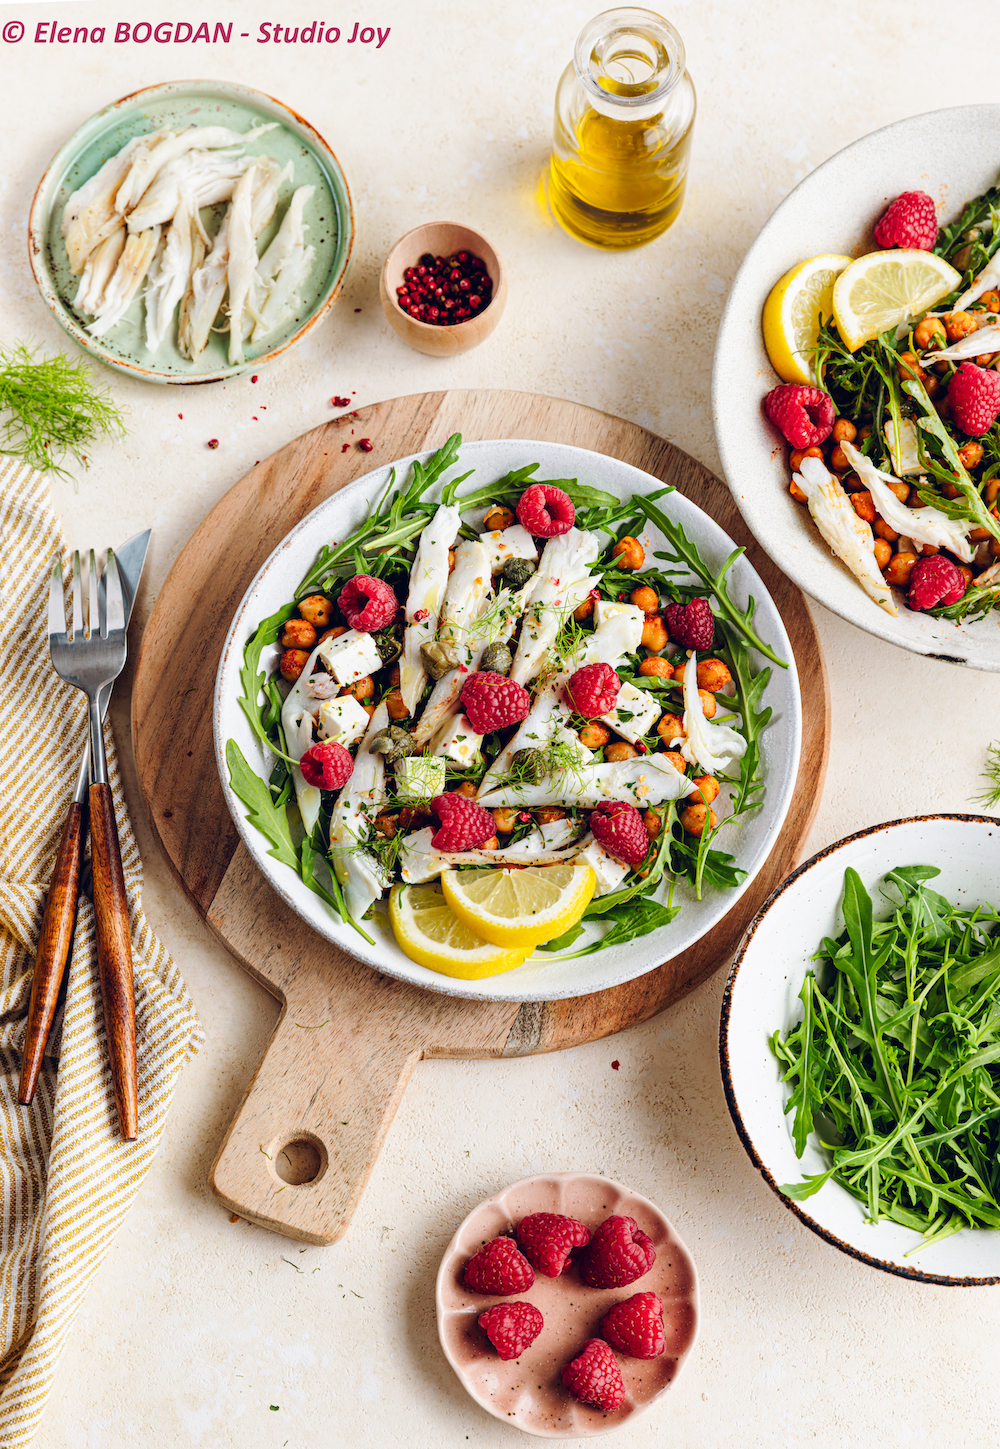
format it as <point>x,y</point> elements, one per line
<point>792,312</point>
<point>885,288</point>
<point>430,935</point>
<point>520,907</point>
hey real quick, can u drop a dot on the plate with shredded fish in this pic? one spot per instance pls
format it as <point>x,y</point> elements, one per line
<point>179,208</point>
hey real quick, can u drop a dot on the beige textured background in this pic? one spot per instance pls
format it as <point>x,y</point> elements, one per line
<point>195,1327</point>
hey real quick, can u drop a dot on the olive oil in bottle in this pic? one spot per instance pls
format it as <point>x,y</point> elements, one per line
<point>625,109</point>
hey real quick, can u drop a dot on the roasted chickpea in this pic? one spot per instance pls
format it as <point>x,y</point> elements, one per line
<point>864,433</point>
<point>595,736</point>
<point>797,493</point>
<point>584,610</point>
<point>298,634</point>
<point>694,816</point>
<point>901,490</point>
<point>709,708</point>
<point>654,634</point>
<point>679,669</point>
<point>414,817</point>
<point>980,535</point>
<point>991,301</point>
<point>839,461</point>
<point>677,760</point>
<point>948,488</point>
<point>706,789</point>
<point>548,814</point>
<point>656,668</point>
<point>797,454</point>
<point>900,568</point>
<point>995,547</point>
<point>932,385</point>
<point>882,530</point>
<point>883,552</point>
<point>985,359</point>
<point>966,573</point>
<point>645,598</point>
<point>669,728</point>
<point>929,335</point>
<point>491,844</point>
<point>332,633</point>
<point>991,490</point>
<point>504,820</point>
<point>394,704</point>
<point>909,369</point>
<point>629,553</point>
<point>361,689</point>
<point>653,821</point>
<point>498,517</point>
<point>713,674</point>
<point>941,406</point>
<point>317,609</point>
<point>619,751</point>
<point>293,661</point>
<point>386,824</point>
<point>451,559</point>
<point>851,483</point>
<point>971,454</point>
<point>394,676</point>
<point>844,431</point>
<point>959,324</point>
<point>864,505</point>
<point>467,788</point>
<point>927,550</point>
<point>368,706</point>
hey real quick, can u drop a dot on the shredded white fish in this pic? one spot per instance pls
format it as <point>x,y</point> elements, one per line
<point>468,593</point>
<point>646,780</point>
<point>210,176</point>
<point>562,581</point>
<point>362,877</point>
<point>149,160</point>
<point>988,278</point>
<point>170,273</point>
<point>133,264</point>
<point>281,271</point>
<point>715,747</point>
<point>89,216</point>
<point>849,536</point>
<point>428,583</point>
<point>297,719</point>
<point>98,270</point>
<point>551,844</point>
<point>925,525</point>
<point>987,339</point>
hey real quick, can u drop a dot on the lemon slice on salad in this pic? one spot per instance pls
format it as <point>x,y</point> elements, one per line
<point>883,289</point>
<point>431,935</point>
<point>520,907</point>
<point>792,314</point>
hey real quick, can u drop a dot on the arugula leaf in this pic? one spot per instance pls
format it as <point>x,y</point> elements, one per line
<point>252,678</point>
<point>932,425</point>
<point>637,918</point>
<point>271,821</point>
<point>333,897</point>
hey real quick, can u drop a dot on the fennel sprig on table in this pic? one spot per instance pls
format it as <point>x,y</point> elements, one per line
<point>51,409</point>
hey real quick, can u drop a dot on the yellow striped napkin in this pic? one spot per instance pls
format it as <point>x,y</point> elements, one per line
<point>66,1178</point>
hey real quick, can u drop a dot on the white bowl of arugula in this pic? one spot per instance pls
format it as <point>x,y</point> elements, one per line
<point>374,529</point>
<point>860,1046</point>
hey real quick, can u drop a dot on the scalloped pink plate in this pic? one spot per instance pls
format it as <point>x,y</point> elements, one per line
<point>528,1392</point>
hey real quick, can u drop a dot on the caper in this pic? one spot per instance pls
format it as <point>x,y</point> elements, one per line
<point>388,647</point>
<point>497,658</point>
<point>529,765</point>
<point>517,571</point>
<point>393,743</point>
<point>439,659</point>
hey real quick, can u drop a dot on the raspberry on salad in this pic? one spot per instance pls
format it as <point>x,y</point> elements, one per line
<point>935,580</point>
<point>511,1327</point>
<point>618,1253</point>
<point>635,1327</point>
<point>547,1239</point>
<point>691,625</point>
<point>974,399</point>
<point>544,511</point>
<point>499,1268</point>
<point>594,1377</point>
<point>592,690</point>
<point>804,415</point>
<point>464,824</point>
<point>327,765</point>
<point>909,222</point>
<point>492,701</point>
<point>619,830</point>
<point>368,603</point>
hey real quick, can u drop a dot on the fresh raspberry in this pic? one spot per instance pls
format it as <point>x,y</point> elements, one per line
<point>464,824</point>
<point>618,828</point>
<point>635,1327</point>
<point>545,511</point>
<point>974,399</point>
<point>511,1327</point>
<point>592,690</point>
<point>368,603</point>
<point>499,1268</point>
<point>547,1239</point>
<point>935,580</point>
<point>910,221</point>
<point>327,765</point>
<point>618,1253</point>
<point>492,701</point>
<point>594,1376</point>
<point>691,625</point>
<point>805,415</point>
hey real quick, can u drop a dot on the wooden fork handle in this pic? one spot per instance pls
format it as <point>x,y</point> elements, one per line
<point>54,944</point>
<point>114,957</point>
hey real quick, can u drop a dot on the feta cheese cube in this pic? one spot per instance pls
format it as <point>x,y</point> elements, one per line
<point>351,656</point>
<point>342,719</point>
<point>634,714</point>
<point>605,609</point>
<point>610,872</point>
<point>505,543</point>
<point>458,742</point>
<point>419,777</point>
<point>905,458</point>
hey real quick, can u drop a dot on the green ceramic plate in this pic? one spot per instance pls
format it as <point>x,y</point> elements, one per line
<point>329,215</point>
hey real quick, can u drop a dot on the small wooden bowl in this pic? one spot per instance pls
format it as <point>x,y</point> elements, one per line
<point>443,239</point>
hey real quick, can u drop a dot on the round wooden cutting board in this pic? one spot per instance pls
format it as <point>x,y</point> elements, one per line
<point>303,1143</point>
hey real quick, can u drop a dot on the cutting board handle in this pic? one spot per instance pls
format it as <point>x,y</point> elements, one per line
<point>298,1155</point>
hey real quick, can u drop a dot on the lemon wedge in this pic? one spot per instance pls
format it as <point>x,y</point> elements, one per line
<point>883,289</point>
<point>431,935</point>
<point>520,907</point>
<point>792,313</point>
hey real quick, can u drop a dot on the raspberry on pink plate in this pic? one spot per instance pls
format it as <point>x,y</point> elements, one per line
<point>635,1326</point>
<point>499,1268</point>
<point>619,1252</point>
<point>464,824</point>
<point>691,625</point>
<point>909,222</point>
<point>593,690</point>
<point>511,1327</point>
<point>327,765</point>
<point>548,1239</point>
<point>935,580</point>
<point>368,603</point>
<point>492,701</point>
<point>974,399</point>
<point>594,1377</point>
<point>804,415</point>
<point>618,828</point>
<point>545,511</point>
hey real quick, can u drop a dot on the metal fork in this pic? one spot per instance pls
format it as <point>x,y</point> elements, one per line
<point>91,661</point>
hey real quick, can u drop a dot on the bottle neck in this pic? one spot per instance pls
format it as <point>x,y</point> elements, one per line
<point>629,60</point>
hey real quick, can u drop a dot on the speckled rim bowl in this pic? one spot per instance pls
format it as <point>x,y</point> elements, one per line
<point>953,155</point>
<point>761,997</point>
<point>528,1392</point>
<point>542,977</point>
<point>329,215</point>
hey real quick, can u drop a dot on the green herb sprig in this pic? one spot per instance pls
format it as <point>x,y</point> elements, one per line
<point>52,410</point>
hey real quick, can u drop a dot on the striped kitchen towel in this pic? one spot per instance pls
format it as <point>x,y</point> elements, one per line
<point>66,1177</point>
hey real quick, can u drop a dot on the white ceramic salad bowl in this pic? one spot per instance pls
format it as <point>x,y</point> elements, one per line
<point>954,155</point>
<point>543,977</point>
<point>762,996</point>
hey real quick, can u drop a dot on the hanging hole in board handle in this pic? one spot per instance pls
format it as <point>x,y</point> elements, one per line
<point>299,1161</point>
